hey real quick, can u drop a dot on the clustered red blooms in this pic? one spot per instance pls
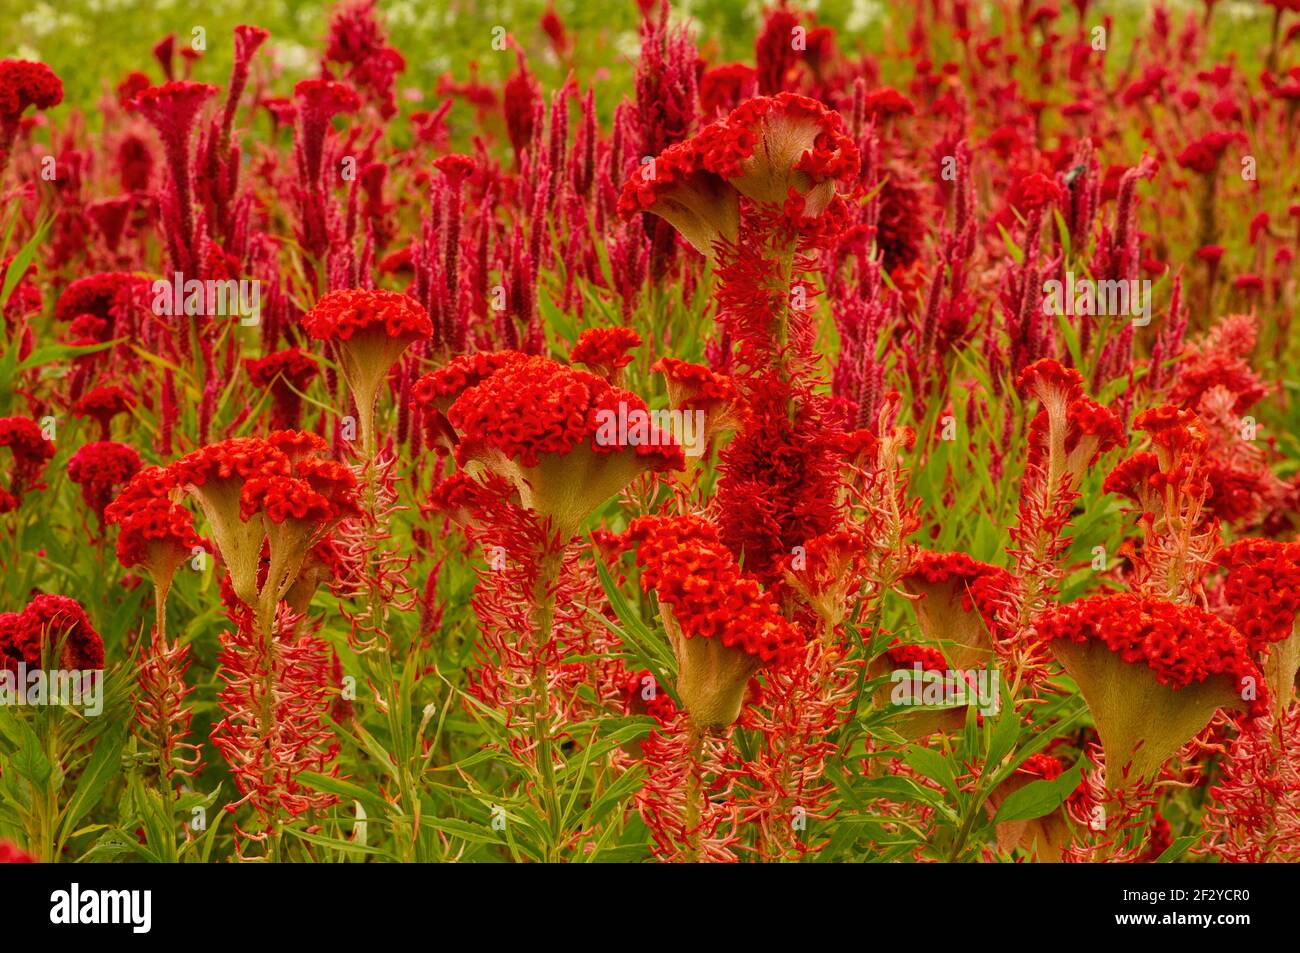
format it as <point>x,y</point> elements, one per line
<point>1263,587</point>
<point>23,85</point>
<point>100,468</point>
<point>906,656</point>
<point>287,374</point>
<point>341,315</point>
<point>9,854</point>
<point>787,150</point>
<point>154,531</point>
<point>1182,645</point>
<point>684,562</point>
<point>102,404</point>
<point>979,586</point>
<point>30,452</point>
<point>50,623</point>
<point>535,407</point>
<point>605,350</point>
<point>856,272</point>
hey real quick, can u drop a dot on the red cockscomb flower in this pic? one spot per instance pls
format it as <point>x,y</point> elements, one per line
<point>1153,674</point>
<point>605,350</point>
<point>50,623</point>
<point>99,469</point>
<point>554,432</point>
<point>369,330</point>
<point>1202,155</point>
<point>30,451</point>
<point>287,373</point>
<point>9,854</point>
<point>722,625</point>
<point>23,84</point>
<point>766,150</point>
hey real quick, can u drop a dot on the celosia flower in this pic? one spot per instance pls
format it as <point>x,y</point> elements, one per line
<point>725,87</point>
<point>1041,837</point>
<point>108,296</point>
<point>1263,588</point>
<point>296,513</point>
<point>155,531</point>
<point>99,468</point>
<point>543,426</point>
<point>215,475</point>
<point>605,351</point>
<point>357,41</point>
<point>435,392</point>
<point>696,387</point>
<point>31,451</point>
<point>23,84</point>
<point>1036,191</point>
<point>50,624</point>
<point>767,150</point>
<point>369,330</point>
<point>103,404</point>
<point>9,854</point>
<point>172,109</point>
<point>1252,814</point>
<point>827,572</point>
<point>958,603</point>
<point>723,627</point>
<point>318,100</point>
<point>287,373</point>
<point>1202,155</point>
<point>1153,674</point>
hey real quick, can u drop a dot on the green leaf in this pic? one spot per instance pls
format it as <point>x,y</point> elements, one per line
<point>1177,849</point>
<point>348,791</point>
<point>932,764</point>
<point>105,764</point>
<point>1038,798</point>
<point>22,259</point>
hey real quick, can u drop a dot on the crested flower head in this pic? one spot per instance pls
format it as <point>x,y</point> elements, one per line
<point>553,432</point>
<point>605,350</point>
<point>24,84</point>
<point>30,451</point>
<point>1263,586</point>
<point>102,404</point>
<point>215,475</point>
<point>155,532</point>
<point>48,625</point>
<point>768,150</point>
<point>958,604</point>
<point>1152,672</point>
<point>369,330</point>
<point>722,625</point>
<point>287,374</point>
<point>99,468</point>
